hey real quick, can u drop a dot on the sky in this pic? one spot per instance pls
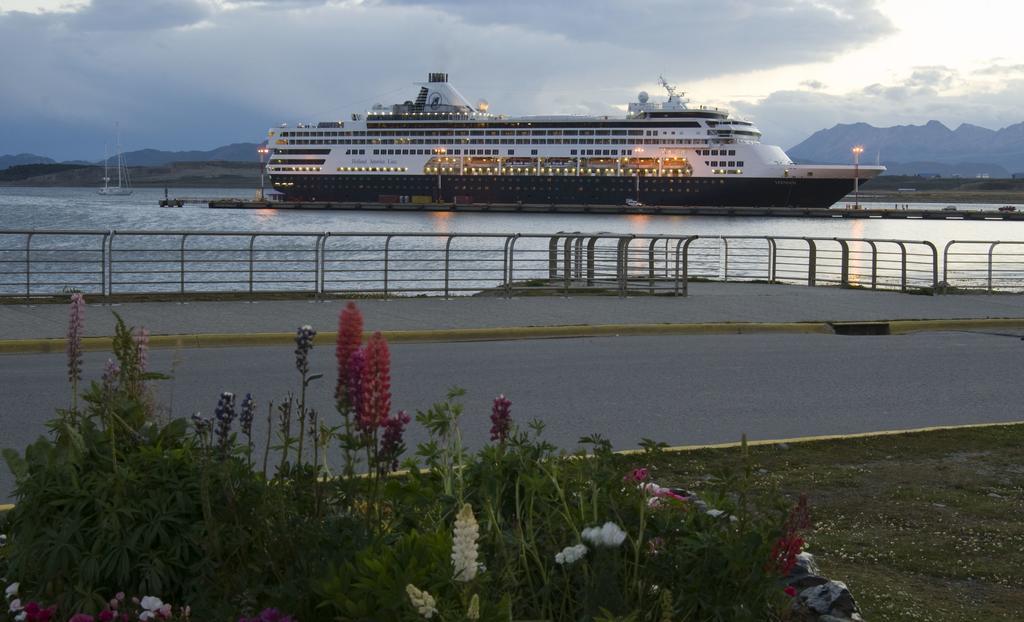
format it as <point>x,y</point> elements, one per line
<point>198,74</point>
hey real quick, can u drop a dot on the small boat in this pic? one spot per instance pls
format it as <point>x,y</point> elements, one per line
<point>123,187</point>
<point>1008,208</point>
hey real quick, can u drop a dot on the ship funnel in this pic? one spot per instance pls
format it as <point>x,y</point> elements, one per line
<point>437,77</point>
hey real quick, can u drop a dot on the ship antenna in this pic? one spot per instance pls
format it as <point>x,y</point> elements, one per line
<point>668,87</point>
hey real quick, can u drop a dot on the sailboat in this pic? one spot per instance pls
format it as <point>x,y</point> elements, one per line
<point>123,187</point>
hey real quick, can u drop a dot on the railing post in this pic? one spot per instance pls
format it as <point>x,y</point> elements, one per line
<point>511,263</point>
<point>28,267</point>
<point>725,265</point>
<point>319,258</point>
<point>578,258</point>
<point>812,262</point>
<point>447,253</point>
<point>945,264</point>
<point>935,267</point>
<point>110,260</point>
<point>181,274</point>
<point>387,265</point>
<point>773,254</point>
<point>903,266</point>
<point>252,243</point>
<point>874,264</point>
<point>553,258</point>
<point>567,264</point>
<point>991,252</point>
<point>591,243</point>
<point>650,265</point>
<point>103,264</point>
<point>844,263</point>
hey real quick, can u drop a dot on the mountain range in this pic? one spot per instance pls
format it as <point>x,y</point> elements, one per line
<point>929,149</point>
<point>932,148</point>
<point>235,152</point>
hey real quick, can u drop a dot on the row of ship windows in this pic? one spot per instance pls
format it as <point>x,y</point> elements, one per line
<point>411,182</point>
<point>503,141</point>
<point>486,133</point>
<point>715,163</point>
<point>488,152</point>
<point>714,152</point>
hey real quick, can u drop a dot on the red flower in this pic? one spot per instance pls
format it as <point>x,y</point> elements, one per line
<point>501,419</point>
<point>33,613</point>
<point>106,615</point>
<point>350,335</point>
<point>376,403</point>
<point>790,591</point>
<point>783,555</point>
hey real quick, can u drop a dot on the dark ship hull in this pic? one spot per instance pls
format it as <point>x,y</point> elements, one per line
<point>731,191</point>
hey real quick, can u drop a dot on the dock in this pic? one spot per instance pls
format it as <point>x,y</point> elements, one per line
<point>660,210</point>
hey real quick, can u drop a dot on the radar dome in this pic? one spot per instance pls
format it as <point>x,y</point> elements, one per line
<point>643,97</point>
<point>482,105</point>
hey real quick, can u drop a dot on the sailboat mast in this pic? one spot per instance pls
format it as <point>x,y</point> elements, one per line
<point>119,164</point>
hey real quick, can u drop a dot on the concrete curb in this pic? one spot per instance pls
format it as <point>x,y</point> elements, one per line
<point>213,340</point>
<point>221,340</point>
<point>828,437</point>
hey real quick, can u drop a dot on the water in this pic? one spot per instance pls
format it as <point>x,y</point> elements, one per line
<point>82,208</point>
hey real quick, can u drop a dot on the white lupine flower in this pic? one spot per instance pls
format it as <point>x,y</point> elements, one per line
<point>15,605</point>
<point>422,601</point>
<point>464,551</point>
<point>571,554</point>
<point>12,590</point>
<point>609,535</point>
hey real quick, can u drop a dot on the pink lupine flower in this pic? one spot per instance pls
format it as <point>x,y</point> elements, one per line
<point>501,419</point>
<point>350,335</point>
<point>376,402</point>
<point>790,591</point>
<point>637,476</point>
<point>76,322</point>
<point>82,617</point>
<point>354,386</point>
<point>106,616</point>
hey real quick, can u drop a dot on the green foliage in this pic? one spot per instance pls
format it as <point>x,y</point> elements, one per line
<point>114,501</point>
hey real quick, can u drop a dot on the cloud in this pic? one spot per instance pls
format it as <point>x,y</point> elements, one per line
<point>133,15</point>
<point>814,85</point>
<point>1000,70</point>
<point>789,116</point>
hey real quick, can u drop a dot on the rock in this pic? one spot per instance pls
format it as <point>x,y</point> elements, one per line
<point>805,561</point>
<point>804,573</point>
<point>831,598</point>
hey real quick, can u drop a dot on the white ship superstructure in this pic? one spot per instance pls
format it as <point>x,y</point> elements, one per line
<point>439,147</point>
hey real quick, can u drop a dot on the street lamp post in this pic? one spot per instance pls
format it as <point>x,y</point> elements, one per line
<point>263,150</point>
<point>856,174</point>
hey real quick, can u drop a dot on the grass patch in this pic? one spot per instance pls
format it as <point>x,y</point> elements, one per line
<point>921,526</point>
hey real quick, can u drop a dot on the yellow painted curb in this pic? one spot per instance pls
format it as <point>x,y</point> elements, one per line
<point>215,340</point>
<point>828,437</point>
<point>6,507</point>
<point>211,340</point>
<point>899,327</point>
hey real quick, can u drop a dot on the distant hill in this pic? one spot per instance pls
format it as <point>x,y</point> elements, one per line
<point>7,161</point>
<point>24,172</point>
<point>932,148</point>
<point>235,152</point>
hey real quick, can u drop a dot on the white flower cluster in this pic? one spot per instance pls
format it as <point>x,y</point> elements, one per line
<point>464,551</point>
<point>571,554</point>
<point>609,535</point>
<point>422,601</point>
<point>153,607</point>
<point>474,608</point>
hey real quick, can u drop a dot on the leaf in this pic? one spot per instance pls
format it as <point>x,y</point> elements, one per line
<point>17,464</point>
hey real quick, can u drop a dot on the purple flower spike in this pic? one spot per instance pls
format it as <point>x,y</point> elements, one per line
<point>303,344</point>
<point>248,413</point>
<point>225,415</point>
<point>76,323</point>
<point>501,419</point>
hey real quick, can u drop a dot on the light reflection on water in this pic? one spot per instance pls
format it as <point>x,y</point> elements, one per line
<point>82,208</point>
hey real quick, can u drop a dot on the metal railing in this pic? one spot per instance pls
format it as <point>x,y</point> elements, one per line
<point>991,266</point>
<point>46,263</point>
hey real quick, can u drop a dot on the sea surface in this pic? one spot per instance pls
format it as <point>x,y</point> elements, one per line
<point>84,209</point>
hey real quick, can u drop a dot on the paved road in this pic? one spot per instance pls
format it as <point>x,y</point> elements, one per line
<point>708,302</point>
<point>680,389</point>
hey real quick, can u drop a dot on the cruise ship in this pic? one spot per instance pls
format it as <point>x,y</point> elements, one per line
<point>438,148</point>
